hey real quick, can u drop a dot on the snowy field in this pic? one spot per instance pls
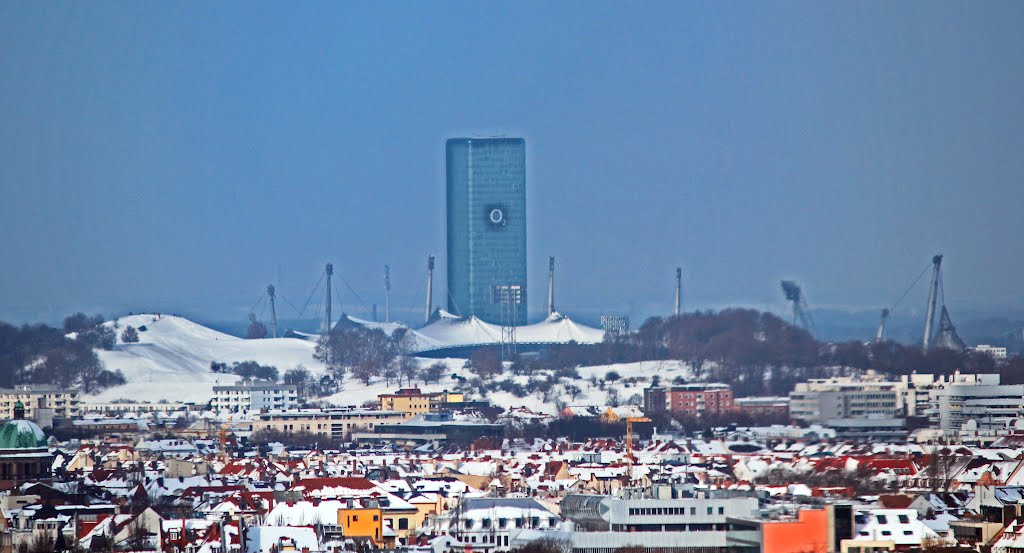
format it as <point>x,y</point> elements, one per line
<point>172,359</point>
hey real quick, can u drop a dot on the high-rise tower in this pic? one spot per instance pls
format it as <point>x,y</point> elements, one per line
<point>486,189</point>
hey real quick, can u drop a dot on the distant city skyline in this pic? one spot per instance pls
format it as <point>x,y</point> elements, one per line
<point>179,158</point>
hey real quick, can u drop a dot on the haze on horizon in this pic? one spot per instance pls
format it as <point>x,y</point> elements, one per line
<point>180,157</point>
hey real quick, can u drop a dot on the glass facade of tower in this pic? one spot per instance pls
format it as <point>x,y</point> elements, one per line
<point>486,185</point>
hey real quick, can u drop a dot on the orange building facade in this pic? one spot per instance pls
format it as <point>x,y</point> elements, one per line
<point>809,533</point>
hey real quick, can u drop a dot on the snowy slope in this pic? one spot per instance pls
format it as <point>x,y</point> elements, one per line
<point>172,359</point>
<point>633,377</point>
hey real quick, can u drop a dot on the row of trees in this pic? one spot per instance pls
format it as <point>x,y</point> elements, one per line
<point>757,353</point>
<point>41,354</point>
<point>246,369</point>
<point>90,330</point>
<point>369,353</point>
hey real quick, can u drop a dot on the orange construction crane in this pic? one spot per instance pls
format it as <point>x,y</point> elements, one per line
<point>629,445</point>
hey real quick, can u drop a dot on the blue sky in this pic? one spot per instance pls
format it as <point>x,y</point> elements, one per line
<point>181,156</point>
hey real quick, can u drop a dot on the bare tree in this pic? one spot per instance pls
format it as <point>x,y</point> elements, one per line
<point>300,377</point>
<point>364,372</point>
<point>408,367</point>
<point>434,372</point>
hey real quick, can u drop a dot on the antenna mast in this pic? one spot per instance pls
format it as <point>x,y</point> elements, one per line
<point>387,294</point>
<point>551,286</point>
<point>328,320</point>
<point>933,298</point>
<point>430,288</point>
<point>273,308</point>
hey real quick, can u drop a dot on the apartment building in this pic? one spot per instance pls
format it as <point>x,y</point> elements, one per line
<point>42,403</point>
<point>655,399</point>
<point>255,395</point>
<point>336,423</point>
<point>763,407</point>
<point>699,400</point>
<point>413,401</point>
<point>121,407</point>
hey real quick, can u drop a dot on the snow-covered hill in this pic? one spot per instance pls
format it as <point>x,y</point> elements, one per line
<point>172,358</point>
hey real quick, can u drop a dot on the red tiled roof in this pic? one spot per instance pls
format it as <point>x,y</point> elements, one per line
<point>895,501</point>
<point>350,482</point>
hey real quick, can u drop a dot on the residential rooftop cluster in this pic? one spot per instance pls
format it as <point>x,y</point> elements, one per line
<point>427,472</point>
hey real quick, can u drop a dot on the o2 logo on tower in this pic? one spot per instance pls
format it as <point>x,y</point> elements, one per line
<point>496,216</point>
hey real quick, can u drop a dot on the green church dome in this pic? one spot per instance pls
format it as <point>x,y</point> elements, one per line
<point>19,433</point>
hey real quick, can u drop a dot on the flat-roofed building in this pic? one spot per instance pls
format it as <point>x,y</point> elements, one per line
<point>255,395</point>
<point>435,428</point>
<point>42,403</point>
<point>822,399</point>
<point>415,402</point>
<point>673,520</point>
<point>995,351</point>
<point>987,407</point>
<point>336,423</point>
<point>699,400</point>
<point>655,399</point>
<point>773,407</point>
<point>120,407</point>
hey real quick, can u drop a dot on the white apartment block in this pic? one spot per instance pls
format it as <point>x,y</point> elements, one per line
<point>255,396</point>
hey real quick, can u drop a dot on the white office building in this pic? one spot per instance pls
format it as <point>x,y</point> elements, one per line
<point>995,351</point>
<point>823,399</point>
<point>989,406</point>
<point>672,520</point>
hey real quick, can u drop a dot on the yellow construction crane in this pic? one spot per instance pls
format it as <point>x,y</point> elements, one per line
<point>629,444</point>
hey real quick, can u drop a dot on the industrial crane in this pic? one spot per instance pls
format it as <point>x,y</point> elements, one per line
<point>629,444</point>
